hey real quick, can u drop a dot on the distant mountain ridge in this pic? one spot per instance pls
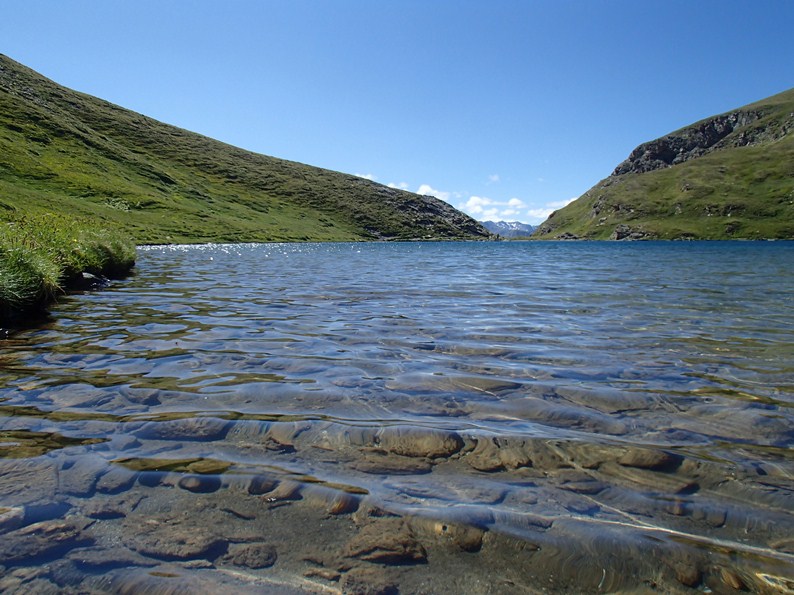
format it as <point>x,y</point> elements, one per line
<point>66,152</point>
<point>730,176</point>
<point>509,229</point>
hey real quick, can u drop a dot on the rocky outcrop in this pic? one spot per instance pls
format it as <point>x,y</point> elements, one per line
<point>735,129</point>
<point>725,177</point>
<point>626,232</point>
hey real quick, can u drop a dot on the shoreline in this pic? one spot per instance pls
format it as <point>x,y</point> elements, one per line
<point>45,257</point>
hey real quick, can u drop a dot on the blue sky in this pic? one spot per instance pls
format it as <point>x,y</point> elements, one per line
<point>504,108</point>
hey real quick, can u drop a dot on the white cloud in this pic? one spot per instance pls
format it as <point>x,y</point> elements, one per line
<point>493,178</point>
<point>400,186</point>
<point>484,208</point>
<point>476,205</point>
<point>426,189</point>
<point>542,213</point>
<point>370,177</point>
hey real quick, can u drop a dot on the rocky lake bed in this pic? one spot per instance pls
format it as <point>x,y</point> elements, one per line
<point>416,418</point>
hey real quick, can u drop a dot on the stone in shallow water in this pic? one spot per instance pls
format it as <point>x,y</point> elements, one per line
<point>494,454</point>
<point>419,442</point>
<point>648,458</point>
<point>39,540</point>
<point>200,484</point>
<point>78,476</point>
<point>368,581</point>
<point>193,428</point>
<point>386,541</point>
<point>169,537</point>
<point>111,508</point>
<point>261,484</point>
<point>461,536</point>
<point>24,481</point>
<point>116,479</point>
<point>251,555</point>
<point>11,518</point>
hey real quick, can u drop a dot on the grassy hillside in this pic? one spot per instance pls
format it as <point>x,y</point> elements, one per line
<point>70,153</point>
<point>726,177</point>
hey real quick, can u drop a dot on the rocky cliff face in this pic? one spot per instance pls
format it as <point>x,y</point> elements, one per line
<point>735,129</point>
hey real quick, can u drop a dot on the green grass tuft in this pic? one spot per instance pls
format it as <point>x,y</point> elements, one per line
<point>42,256</point>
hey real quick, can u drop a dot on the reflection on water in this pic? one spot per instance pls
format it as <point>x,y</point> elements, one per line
<point>473,418</point>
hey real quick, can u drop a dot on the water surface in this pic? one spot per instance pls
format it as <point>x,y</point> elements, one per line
<point>420,417</point>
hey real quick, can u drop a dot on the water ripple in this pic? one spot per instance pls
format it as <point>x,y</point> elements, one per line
<point>597,402</point>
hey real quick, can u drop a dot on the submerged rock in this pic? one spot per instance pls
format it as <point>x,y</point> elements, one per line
<point>386,541</point>
<point>251,555</point>
<point>78,476</point>
<point>193,428</point>
<point>40,540</point>
<point>368,581</point>
<point>494,454</point>
<point>648,458</point>
<point>24,481</point>
<point>173,538</point>
<point>420,442</point>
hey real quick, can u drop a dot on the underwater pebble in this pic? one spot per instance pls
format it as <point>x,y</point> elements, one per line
<point>200,484</point>
<point>261,484</point>
<point>190,429</point>
<point>646,458</point>
<point>733,580</point>
<point>116,479</point>
<point>419,442</point>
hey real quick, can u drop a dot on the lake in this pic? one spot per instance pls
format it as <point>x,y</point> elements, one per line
<point>513,417</point>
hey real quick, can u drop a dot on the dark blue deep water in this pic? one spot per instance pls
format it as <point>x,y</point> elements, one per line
<point>413,417</point>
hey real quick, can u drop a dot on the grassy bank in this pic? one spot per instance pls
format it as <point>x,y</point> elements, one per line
<point>42,257</point>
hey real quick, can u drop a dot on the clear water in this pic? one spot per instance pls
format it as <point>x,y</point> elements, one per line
<point>413,417</point>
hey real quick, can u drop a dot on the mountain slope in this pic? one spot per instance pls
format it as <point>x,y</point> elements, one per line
<point>730,176</point>
<point>67,152</point>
